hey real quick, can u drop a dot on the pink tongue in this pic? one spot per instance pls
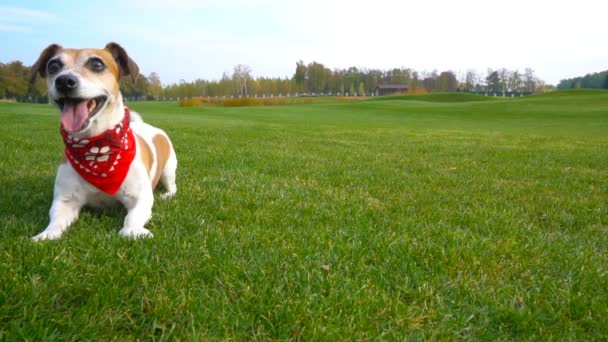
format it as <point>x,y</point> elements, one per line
<point>74,115</point>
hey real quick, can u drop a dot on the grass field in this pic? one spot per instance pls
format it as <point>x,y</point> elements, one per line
<point>395,218</point>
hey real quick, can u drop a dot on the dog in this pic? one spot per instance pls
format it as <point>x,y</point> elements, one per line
<point>111,156</point>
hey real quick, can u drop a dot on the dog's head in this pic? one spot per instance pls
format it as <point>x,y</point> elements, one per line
<point>84,83</point>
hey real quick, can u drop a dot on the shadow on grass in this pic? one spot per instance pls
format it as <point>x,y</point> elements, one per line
<point>25,204</point>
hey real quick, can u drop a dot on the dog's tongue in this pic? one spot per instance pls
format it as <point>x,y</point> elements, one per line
<point>73,115</point>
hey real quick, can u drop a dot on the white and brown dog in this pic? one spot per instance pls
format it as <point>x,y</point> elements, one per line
<point>111,155</point>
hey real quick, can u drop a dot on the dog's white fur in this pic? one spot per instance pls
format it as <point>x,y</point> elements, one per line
<point>71,191</point>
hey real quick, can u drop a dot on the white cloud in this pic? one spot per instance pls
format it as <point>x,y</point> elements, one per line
<point>14,28</point>
<point>198,4</point>
<point>22,20</point>
<point>20,14</point>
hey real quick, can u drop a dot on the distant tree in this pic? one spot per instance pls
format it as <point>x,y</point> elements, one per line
<point>361,89</point>
<point>240,75</point>
<point>428,83</point>
<point>14,79</point>
<point>429,80</point>
<point>398,76</point>
<point>2,80</point>
<point>134,87</point>
<point>492,81</point>
<point>446,81</point>
<point>225,86</point>
<point>38,89</point>
<point>155,87</point>
<point>594,80</point>
<point>370,78</point>
<point>201,86</point>
<point>300,75</point>
<point>478,82</point>
<point>414,80</point>
<point>515,83</point>
<point>316,77</point>
<point>352,78</point>
<point>327,77</point>
<point>564,84</point>
<point>469,80</point>
<point>541,86</point>
<point>529,80</point>
<point>503,76</point>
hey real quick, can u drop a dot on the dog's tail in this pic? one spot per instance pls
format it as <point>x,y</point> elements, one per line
<point>135,117</point>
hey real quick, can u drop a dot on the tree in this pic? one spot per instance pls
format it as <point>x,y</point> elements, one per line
<point>361,89</point>
<point>316,77</point>
<point>597,80</point>
<point>514,83</point>
<point>446,81</point>
<point>352,77</point>
<point>300,76</point>
<point>240,76</point>
<point>134,87</point>
<point>529,81</point>
<point>503,76</point>
<point>470,80</point>
<point>414,80</point>
<point>429,80</point>
<point>14,79</point>
<point>492,81</point>
<point>155,87</point>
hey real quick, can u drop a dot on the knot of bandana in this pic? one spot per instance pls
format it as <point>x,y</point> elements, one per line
<point>103,160</point>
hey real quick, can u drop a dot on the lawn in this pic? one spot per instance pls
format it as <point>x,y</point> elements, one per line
<point>395,218</point>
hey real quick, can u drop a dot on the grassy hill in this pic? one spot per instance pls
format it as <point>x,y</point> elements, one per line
<point>436,97</point>
<point>573,94</point>
<point>426,219</point>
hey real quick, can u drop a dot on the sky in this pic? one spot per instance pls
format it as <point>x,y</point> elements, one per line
<point>188,40</point>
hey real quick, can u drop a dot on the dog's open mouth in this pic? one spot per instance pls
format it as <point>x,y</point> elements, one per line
<point>76,112</point>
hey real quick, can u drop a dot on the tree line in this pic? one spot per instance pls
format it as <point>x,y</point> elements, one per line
<point>597,80</point>
<point>308,79</point>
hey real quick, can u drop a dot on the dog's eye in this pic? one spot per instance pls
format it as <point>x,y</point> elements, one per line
<point>96,65</point>
<point>53,67</point>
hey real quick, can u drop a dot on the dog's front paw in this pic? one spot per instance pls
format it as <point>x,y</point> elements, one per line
<point>47,235</point>
<point>136,233</point>
<point>167,195</point>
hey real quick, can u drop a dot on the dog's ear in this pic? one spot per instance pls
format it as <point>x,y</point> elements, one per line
<point>125,63</point>
<point>39,68</point>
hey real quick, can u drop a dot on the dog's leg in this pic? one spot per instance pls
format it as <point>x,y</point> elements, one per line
<point>139,212</point>
<point>62,214</point>
<point>167,177</point>
<point>68,199</point>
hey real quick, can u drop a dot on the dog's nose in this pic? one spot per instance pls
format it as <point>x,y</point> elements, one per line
<point>66,83</point>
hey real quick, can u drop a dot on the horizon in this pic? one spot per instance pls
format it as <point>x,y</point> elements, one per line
<point>189,40</point>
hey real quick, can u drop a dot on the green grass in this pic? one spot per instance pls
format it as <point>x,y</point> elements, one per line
<point>436,97</point>
<point>340,221</point>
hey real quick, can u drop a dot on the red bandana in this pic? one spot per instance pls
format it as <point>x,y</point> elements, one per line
<point>103,160</point>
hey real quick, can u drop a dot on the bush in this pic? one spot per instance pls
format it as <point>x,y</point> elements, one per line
<point>417,90</point>
<point>351,98</point>
<point>243,102</point>
<point>193,102</point>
